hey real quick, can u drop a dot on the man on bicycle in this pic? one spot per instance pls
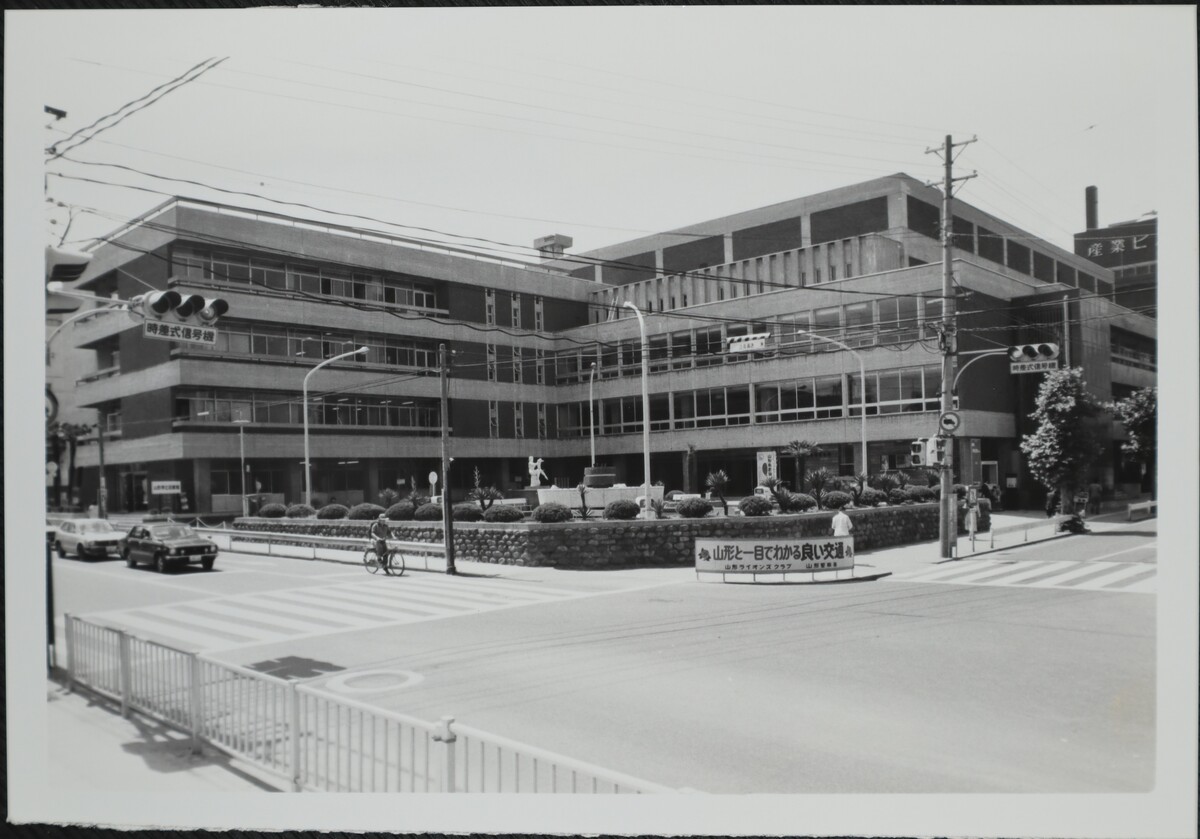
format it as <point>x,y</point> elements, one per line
<point>380,533</point>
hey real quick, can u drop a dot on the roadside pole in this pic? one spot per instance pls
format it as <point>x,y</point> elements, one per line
<point>447,517</point>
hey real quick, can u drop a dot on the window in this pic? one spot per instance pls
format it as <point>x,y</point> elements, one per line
<point>827,322</point>
<point>539,317</point>
<point>542,429</point>
<point>493,419</point>
<point>897,320</point>
<point>540,366</point>
<point>681,350</point>
<point>491,362</point>
<point>516,309</point>
<point>519,419</point>
<point>518,362</point>
<point>860,324</point>
<point>685,410</point>
<point>708,347</point>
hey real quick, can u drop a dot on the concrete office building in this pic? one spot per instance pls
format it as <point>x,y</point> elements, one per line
<point>860,265</point>
<point>1127,248</point>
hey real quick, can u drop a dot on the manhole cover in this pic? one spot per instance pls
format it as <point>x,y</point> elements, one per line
<point>373,680</point>
<point>294,667</point>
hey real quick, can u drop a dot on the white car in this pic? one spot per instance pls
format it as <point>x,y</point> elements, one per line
<point>88,537</point>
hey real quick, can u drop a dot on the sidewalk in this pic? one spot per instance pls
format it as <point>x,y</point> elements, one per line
<point>91,747</point>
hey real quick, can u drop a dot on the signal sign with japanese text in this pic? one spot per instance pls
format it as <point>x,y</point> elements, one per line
<point>179,332</point>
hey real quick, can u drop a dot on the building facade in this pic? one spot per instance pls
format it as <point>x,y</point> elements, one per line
<point>858,267</point>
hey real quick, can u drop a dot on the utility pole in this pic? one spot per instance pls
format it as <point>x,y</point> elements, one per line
<point>102,493</point>
<point>447,517</point>
<point>1066,331</point>
<point>947,518</point>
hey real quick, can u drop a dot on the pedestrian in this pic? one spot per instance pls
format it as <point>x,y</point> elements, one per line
<point>1094,491</point>
<point>842,524</point>
<point>1051,504</point>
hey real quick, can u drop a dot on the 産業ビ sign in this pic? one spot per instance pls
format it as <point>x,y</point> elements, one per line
<point>774,556</point>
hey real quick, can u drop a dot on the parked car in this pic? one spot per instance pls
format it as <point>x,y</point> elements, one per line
<point>167,545</point>
<point>87,537</point>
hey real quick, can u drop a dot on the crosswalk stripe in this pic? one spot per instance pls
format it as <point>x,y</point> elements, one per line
<point>1013,571</point>
<point>311,615</point>
<point>1131,582</point>
<point>1076,574</point>
<point>1049,576</point>
<point>193,619</point>
<point>248,614</point>
<point>172,631</point>
<point>434,595</point>
<point>501,584</point>
<point>1095,573</point>
<point>387,601</point>
<point>349,605</point>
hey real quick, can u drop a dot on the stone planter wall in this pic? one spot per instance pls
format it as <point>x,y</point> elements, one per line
<point>599,543</point>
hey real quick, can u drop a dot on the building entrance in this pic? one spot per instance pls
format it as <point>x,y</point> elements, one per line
<point>133,487</point>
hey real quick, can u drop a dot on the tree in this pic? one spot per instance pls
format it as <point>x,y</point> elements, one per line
<point>1064,445</point>
<point>800,451</point>
<point>1138,412</point>
<point>58,433</point>
<point>818,479</point>
<point>716,482</point>
<point>484,496</point>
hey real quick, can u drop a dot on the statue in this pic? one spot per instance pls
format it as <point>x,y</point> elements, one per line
<point>535,472</point>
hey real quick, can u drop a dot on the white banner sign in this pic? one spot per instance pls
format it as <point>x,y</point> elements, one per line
<point>749,343</point>
<point>774,556</point>
<point>179,332</point>
<point>768,465</point>
<point>165,487</point>
<point>1032,366</point>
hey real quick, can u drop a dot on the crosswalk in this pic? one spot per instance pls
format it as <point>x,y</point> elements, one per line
<point>233,621</point>
<point>1063,574</point>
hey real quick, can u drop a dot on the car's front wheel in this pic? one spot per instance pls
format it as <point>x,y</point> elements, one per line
<point>58,548</point>
<point>160,563</point>
<point>207,562</point>
<point>128,557</point>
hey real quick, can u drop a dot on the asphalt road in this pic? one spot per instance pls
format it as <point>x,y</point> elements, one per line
<point>1027,670</point>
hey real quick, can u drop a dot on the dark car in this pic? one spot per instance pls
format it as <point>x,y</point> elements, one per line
<point>167,545</point>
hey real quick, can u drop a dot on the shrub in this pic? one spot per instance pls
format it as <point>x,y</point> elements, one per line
<point>837,499</point>
<point>388,497</point>
<point>332,511</point>
<point>753,505</point>
<point>400,511</point>
<point>428,512</point>
<point>897,496</point>
<point>502,512</point>
<point>550,512</point>
<point>921,494</point>
<point>622,509</point>
<point>466,512</point>
<point>296,511</point>
<point>273,511</point>
<point>798,502</point>
<point>693,508</point>
<point>364,512</point>
<point>870,497</point>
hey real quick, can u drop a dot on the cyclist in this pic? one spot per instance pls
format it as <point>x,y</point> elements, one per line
<point>380,533</point>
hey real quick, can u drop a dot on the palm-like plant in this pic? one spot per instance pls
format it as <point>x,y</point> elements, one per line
<point>818,479</point>
<point>800,451</point>
<point>716,483</point>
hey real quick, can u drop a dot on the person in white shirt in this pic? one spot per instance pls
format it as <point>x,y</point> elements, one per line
<point>842,524</point>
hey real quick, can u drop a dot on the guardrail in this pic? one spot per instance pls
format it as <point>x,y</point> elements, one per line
<point>1022,528</point>
<point>301,542</point>
<point>1148,506</point>
<point>318,741</point>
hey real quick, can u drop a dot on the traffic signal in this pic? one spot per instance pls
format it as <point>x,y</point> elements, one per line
<point>1033,352</point>
<point>935,452</point>
<point>916,455</point>
<point>158,304</point>
<point>63,266</point>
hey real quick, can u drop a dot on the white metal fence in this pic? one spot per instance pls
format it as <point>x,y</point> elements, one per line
<point>320,742</point>
<point>314,547</point>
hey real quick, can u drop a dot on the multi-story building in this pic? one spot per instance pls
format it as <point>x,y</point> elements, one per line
<point>859,266</point>
<point>1127,248</point>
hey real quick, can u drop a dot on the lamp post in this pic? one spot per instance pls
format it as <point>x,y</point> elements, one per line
<point>862,375</point>
<point>592,412</point>
<point>241,424</point>
<point>307,462</point>
<point>648,511</point>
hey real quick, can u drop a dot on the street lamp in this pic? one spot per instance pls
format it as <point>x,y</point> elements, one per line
<point>241,424</point>
<point>648,511</point>
<point>862,375</point>
<point>592,412</point>
<point>307,462</point>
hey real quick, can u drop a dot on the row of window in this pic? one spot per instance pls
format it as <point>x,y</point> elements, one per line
<point>858,324</point>
<point>265,340</point>
<point>887,392</point>
<point>518,416</point>
<point>219,407</point>
<point>200,263</point>
<point>539,314</point>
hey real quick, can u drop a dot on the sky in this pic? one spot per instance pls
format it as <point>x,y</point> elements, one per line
<point>602,124</point>
<point>491,127</point>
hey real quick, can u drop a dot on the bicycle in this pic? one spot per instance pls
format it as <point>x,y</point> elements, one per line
<point>392,564</point>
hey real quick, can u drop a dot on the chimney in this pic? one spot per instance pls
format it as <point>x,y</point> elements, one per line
<point>552,246</point>
<point>1091,201</point>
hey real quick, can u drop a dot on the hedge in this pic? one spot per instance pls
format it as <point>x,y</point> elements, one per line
<point>502,513</point>
<point>297,511</point>
<point>621,509</point>
<point>332,511</point>
<point>550,512</point>
<point>400,511</point>
<point>428,512</point>
<point>837,499</point>
<point>798,502</point>
<point>466,512</point>
<point>693,508</point>
<point>752,505</point>
<point>272,511</point>
<point>364,512</point>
